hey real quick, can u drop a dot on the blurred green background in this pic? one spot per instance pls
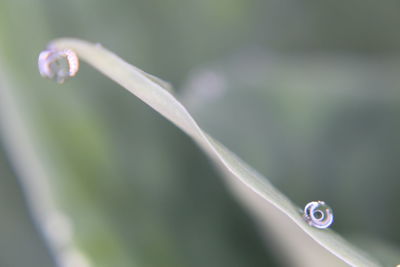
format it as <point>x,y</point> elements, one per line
<point>307,92</point>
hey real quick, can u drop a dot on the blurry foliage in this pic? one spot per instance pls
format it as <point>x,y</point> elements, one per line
<point>17,228</point>
<point>140,191</point>
<point>321,126</point>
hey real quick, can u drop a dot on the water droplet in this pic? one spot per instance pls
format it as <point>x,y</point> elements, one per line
<point>318,214</point>
<point>58,65</point>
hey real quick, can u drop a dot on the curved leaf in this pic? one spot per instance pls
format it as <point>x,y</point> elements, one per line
<point>271,202</point>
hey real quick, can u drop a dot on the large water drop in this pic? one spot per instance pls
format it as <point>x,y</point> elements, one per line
<point>58,65</point>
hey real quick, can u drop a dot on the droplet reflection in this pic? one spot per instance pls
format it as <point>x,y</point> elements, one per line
<point>58,65</point>
<point>318,214</point>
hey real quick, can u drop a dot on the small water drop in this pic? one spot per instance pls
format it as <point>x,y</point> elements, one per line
<point>318,214</point>
<point>58,65</point>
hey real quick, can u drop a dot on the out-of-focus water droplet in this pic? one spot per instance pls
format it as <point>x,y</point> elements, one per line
<point>58,65</point>
<point>318,214</point>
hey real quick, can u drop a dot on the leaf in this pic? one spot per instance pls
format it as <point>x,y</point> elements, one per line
<point>271,203</point>
<point>14,212</point>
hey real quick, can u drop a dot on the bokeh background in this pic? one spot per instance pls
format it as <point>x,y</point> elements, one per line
<point>305,91</point>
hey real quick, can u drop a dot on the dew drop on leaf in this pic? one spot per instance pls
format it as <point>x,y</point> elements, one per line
<point>58,65</point>
<point>318,214</point>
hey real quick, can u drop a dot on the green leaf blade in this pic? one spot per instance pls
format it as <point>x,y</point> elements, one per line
<point>152,93</point>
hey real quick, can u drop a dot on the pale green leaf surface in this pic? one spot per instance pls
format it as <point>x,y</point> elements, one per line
<point>161,100</point>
